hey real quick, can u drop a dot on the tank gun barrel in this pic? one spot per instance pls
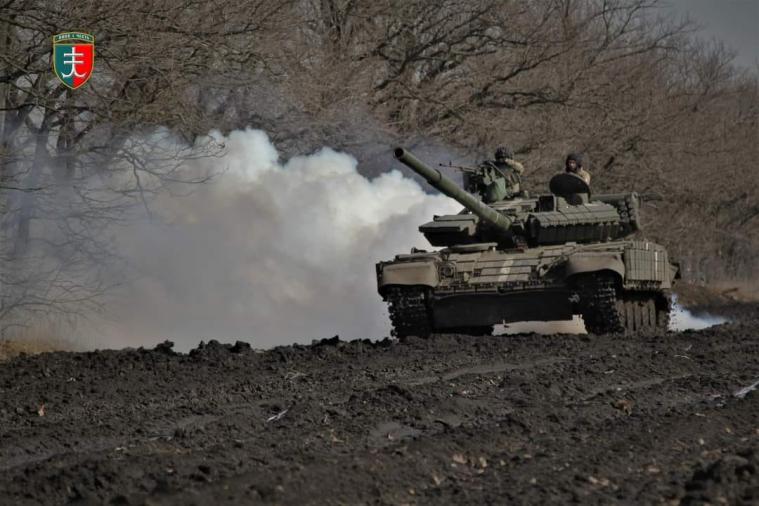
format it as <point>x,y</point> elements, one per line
<point>449,188</point>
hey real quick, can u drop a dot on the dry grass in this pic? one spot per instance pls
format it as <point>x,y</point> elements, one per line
<point>739,291</point>
<point>33,340</point>
<point>723,293</point>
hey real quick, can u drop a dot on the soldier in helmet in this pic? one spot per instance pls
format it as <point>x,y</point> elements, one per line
<point>504,160</point>
<point>496,179</point>
<point>573,165</point>
<point>509,168</point>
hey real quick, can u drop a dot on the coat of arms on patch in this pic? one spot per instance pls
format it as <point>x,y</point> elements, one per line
<point>73,58</point>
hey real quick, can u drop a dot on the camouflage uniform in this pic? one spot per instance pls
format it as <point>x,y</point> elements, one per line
<point>511,169</point>
<point>579,171</point>
<point>497,179</point>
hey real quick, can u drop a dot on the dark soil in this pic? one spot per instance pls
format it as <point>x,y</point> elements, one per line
<point>521,419</point>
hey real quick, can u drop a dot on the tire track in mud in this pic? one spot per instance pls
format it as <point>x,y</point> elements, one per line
<point>482,369</point>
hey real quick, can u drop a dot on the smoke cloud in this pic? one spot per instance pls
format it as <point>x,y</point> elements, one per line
<point>682,319</point>
<point>270,252</point>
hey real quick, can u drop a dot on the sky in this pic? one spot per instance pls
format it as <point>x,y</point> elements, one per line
<point>735,22</point>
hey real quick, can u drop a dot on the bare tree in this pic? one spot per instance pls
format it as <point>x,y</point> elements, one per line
<point>72,162</point>
<point>652,106</point>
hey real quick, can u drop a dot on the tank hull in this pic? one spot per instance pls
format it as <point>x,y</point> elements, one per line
<point>616,286</point>
<point>477,309</point>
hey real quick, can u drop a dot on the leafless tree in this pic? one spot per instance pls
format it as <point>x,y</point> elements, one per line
<point>72,162</point>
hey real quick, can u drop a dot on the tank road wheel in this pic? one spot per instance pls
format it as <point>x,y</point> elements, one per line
<point>606,309</point>
<point>638,312</point>
<point>644,311</point>
<point>409,311</point>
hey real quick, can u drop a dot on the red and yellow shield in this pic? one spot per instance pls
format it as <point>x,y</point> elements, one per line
<point>73,58</point>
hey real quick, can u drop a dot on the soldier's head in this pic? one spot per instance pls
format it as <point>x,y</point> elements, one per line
<point>573,162</point>
<point>503,153</point>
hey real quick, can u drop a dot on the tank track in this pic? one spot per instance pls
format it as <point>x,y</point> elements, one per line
<point>607,310</point>
<point>598,302</point>
<point>663,303</point>
<point>409,311</point>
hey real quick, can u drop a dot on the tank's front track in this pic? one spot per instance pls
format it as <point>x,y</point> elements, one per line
<point>409,311</point>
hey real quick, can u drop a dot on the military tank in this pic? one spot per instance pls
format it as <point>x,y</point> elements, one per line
<point>528,258</point>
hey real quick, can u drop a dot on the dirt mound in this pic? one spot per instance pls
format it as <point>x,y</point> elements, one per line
<point>450,419</point>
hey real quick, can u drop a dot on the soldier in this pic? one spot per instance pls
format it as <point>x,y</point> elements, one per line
<point>510,169</point>
<point>573,165</point>
<point>504,160</point>
<point>497,179</point>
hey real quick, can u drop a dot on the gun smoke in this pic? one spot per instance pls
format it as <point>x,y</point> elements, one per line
<point>270,252</point>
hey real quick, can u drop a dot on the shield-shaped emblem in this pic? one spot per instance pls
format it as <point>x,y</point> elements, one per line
<point>73,58</point>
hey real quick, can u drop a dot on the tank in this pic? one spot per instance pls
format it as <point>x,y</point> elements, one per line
<point>546,257</point>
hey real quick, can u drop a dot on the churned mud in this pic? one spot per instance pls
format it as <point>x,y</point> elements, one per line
<point>525,419</point>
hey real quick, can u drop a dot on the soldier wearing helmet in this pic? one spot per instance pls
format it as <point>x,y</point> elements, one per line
<point>573,165</point>
<point>496,179</point>
<point>504,160</point>
<point>508,171</point>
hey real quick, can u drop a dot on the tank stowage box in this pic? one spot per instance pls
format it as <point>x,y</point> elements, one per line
<point>541,258</point>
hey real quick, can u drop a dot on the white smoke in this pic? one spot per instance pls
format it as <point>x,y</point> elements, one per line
<point>682,319</point>
<point>271,252</point>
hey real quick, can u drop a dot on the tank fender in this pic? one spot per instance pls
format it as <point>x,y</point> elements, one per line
<point>595,261</point>
<point>423,273</point>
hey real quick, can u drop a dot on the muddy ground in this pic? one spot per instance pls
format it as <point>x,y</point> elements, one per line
<point>522,419</point>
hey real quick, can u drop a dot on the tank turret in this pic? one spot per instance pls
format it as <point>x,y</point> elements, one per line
<point>565,215</point>
<point>449,187</point>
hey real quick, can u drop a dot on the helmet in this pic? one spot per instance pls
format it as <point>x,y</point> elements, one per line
<point>577,157</point>
<point>503,153</point>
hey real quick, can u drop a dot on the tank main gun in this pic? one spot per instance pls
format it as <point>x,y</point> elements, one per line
<point>449,188</point>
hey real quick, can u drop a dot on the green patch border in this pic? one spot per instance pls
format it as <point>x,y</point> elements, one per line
<point>73,39</point>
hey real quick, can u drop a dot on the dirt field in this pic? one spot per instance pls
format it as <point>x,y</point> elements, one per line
<point>524,419</point>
